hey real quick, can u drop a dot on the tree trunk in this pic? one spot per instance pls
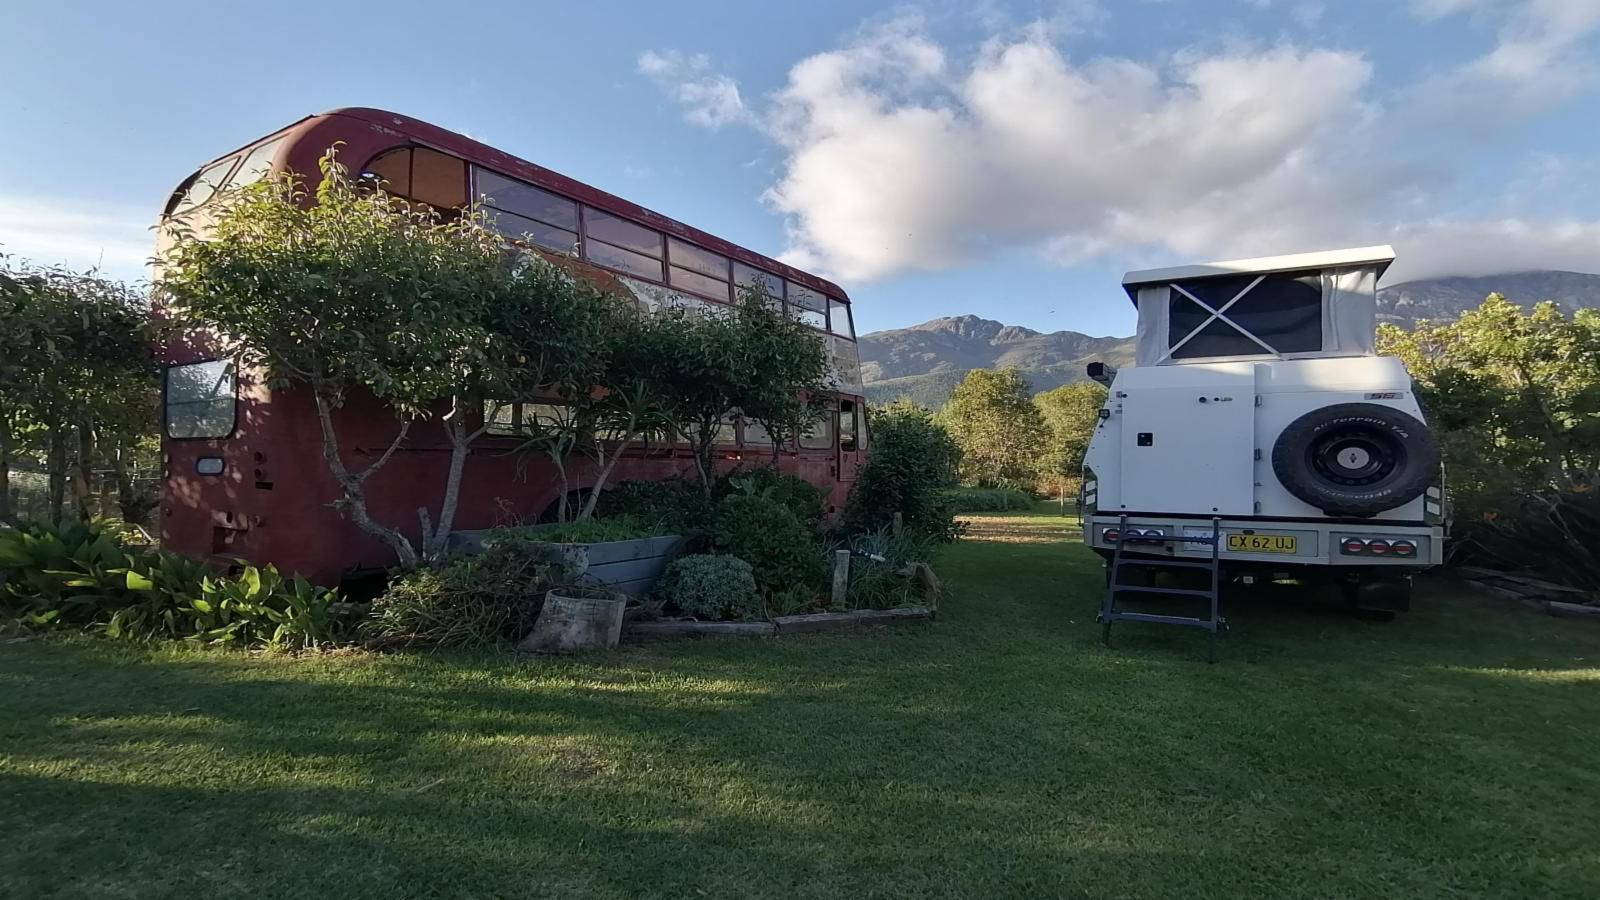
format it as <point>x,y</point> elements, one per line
<point>83,472</point>
<point>603,474</point>
<point>7,514</point>
<point>133,507</point>
<point>433,545</point>
<point>56,468</point>
<point>353,484</point>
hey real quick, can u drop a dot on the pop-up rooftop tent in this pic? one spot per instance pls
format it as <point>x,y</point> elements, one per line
<point>1278,307</point>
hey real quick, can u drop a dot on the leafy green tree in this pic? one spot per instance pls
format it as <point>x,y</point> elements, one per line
<point>362,292</point>
<point>751,359</point>
<point>1516,395</point>
<point>75,367</point>
<point>1000,431</point>
<point>1071,413</point>
<point>913,460</point>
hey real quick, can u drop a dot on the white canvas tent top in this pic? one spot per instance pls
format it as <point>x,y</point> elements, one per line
<point>1299,306</point>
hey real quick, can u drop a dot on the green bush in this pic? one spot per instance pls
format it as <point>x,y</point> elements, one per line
<point>708,586</point>
<point>767,535</point>
<point>980,500</point>
<point>912,459</point>
<point>82,577</point>
<point>591,531</point>
<point>801,497</point>
<point>477,600</point>
<point>674,506</point>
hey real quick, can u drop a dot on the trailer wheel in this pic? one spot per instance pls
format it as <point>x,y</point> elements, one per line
<point>1356,459</point>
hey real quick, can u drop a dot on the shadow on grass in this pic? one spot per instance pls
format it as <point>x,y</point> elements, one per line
<point>1000,751</point>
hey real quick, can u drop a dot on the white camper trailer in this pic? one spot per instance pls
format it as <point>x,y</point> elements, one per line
<point>1259,412</point>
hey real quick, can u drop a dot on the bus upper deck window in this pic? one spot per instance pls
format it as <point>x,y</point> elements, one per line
<point>438,180</point>
<point>393,168</point>
<point>839,319</point>
<point>257,163</point>
<point>201,400</point>
<point>205,185</point>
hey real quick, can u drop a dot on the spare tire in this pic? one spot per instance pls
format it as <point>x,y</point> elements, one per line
<point>1356,459</point>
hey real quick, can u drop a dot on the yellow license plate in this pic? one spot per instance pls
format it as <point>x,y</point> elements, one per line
<point>1263,543</point>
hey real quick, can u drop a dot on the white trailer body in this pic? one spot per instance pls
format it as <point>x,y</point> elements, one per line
<point>1258,400</point>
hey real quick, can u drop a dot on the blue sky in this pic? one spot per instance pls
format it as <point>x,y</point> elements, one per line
<point>1005,159</point>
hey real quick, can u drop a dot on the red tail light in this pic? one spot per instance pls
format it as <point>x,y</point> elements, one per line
<point>1403,548</point>
<point>1111,535</point>
<point>1354,546</point>
<point>1378,547</point>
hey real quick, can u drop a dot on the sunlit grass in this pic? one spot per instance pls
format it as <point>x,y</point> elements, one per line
<point>1001,751</point>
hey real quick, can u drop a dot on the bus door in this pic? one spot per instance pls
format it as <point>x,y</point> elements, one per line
<point>852,438</point>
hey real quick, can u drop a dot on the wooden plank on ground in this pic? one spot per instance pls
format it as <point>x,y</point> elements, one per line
<point>673,628</point>
<point>1574,610</point>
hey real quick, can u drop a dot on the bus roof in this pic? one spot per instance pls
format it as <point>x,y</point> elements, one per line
<point>405,128</point>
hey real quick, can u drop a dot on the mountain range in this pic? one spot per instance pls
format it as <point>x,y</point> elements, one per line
<point>925,362</point>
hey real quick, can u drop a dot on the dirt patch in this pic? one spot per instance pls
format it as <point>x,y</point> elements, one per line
<point>1011,530</point>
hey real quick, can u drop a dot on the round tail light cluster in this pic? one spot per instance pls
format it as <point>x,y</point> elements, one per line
<point>1355,546</point>
<point>1135,535</point>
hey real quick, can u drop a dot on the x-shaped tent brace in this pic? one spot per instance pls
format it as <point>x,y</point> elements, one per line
<point>1216,314</point>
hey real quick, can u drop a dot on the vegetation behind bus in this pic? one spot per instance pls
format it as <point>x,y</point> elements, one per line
<point>361,290</point>
<point>78,388</point>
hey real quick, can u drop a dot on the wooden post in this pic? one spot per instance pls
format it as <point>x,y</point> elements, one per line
<point>841,575</point>
<point>899,524</point>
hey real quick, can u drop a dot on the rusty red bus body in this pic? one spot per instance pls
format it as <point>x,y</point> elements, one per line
<point>260,490</point>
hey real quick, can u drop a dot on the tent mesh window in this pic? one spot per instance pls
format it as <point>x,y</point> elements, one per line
<point>1283,311</point>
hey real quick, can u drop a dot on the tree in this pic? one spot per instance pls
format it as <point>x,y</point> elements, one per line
<point>75,366</point>
<point>751,359</point>
<point>360,291</point>
<point>1070,413</point>
<point>913,459</point>
<point>1000,432</point>
<point>1517,396</point>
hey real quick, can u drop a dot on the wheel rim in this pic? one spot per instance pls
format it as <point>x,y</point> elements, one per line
<point>1356,457</point>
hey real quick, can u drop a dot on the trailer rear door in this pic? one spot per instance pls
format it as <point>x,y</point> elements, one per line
<point>1188,443</point>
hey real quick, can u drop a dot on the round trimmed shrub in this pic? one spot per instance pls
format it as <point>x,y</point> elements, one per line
<point>709,586</point>
<point>771,538</point>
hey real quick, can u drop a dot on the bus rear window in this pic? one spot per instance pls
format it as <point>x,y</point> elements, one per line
<point>200,400</point>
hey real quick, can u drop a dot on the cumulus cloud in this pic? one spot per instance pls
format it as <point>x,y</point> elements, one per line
<point>1543,56</point>
<point>901,154</point>
<point>707,97</point>
<point>49,232</point>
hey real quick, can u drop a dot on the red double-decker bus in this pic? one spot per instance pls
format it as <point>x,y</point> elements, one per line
<point>244,474</point>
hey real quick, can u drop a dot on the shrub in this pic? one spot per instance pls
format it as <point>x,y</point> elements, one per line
<point>801,497</point>
<point>674,506</point>
<point>487,598</point>
<point>764,533</point>
<point>979,500</point>
<point>709,586</point>
<point>912,458</point>
<point>590,531</point>
<point>82,577</point>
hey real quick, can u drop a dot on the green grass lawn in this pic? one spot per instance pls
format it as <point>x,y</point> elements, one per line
<point>1001,751</point>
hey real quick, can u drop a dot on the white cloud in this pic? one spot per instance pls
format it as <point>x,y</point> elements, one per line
<point>46,232</point>
<point>901,155</point>
<point>1543,55</point>
<point>708,98</point>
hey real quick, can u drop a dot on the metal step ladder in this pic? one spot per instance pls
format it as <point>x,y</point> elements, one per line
<point>1110,613</point>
